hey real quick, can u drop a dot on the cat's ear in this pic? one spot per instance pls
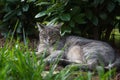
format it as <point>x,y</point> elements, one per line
<point>58,26</point>
<point>40,26</point>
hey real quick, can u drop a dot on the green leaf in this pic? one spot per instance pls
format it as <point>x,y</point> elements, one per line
<point>9,15</point>
<point>95,20</point>
<point>103,16</point>
<point>40,14</point>
<point>65,29</point>
<point>110,6</point>
<point>55,7</point>
<point>74,10</point>
<point>92,18</point>
<point>43,3</point>
<point>76,30</point>
<point>89,14</point>
<point>25,8</point>
<point>72,24</point>
<point>65,17</point>
<point>118,1</point>
<point>52,22</point>
<point>19,28</point>
<point>118,17</point>
<point>31,0</point>
<point>96,3</point>
<point>101,1</point>
<point>3,27</point>
<point>52,8</point>
<point>89,76</point>
<point>19,13</point>
<point>12,1</point>
<point>119,26</point>
<point>80,19</point>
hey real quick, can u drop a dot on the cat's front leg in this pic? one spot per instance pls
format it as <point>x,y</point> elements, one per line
<point>42,49</point>
<point>54,56</point>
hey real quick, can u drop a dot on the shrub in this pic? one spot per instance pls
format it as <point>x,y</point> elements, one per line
<point>18,17</point>
<point>89,18</point>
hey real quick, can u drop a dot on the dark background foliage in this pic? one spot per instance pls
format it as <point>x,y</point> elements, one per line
<point>88,18</point>
<point>18,18</point>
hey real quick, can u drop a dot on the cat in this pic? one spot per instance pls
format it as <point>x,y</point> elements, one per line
<point>79,51</point>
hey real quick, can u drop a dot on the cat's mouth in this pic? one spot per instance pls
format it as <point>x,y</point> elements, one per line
<point>49,42</point>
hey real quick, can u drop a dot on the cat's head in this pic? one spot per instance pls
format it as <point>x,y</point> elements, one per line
<point>49,34</point>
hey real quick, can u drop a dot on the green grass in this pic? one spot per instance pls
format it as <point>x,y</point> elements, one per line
<point>17,62</point>
<point>115,35</point>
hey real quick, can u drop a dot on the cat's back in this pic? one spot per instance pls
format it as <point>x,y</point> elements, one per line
<point>88,43</point>
<point>100,49</point>
<point>76,40</point>
<point>93,48</point>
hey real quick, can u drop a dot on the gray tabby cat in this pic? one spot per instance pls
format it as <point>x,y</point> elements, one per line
<point>84,53</point>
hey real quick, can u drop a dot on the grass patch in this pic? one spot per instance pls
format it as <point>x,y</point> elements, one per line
<point>16,63</point>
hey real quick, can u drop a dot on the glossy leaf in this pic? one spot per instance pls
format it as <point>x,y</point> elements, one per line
<point>19,28</point>
<point>65,29</point>
<point>52,22</point>
<point>95,20</point>
<point>40,14</point>
<point>74,10</point>
<point>89,14</point>
<point>119,26</point>
<point>31,0</point>
<point>118,17</point>
<point>9,15</point>
<point>65,17</point>
<point>54,8</point>
<point>110,6</point>
<point>103,16</point>
<point>19,13</point>
<point>101,1</point>
<point>25,8</point>
<point>43,3</point>
<point>118,1</point>
<point>12,1</point>
<point>96,3</point>
<point>72,24</point>
<point>80,19</point>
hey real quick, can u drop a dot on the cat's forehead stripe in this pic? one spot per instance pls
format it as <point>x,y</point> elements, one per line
<point>51,30</point>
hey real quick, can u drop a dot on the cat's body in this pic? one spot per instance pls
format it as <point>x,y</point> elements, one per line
<point>86,52</point>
